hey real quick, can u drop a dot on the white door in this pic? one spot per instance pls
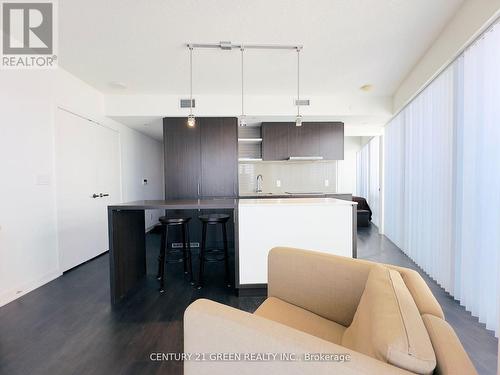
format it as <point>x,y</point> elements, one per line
<point>108,179</point>
<point>87,164</point>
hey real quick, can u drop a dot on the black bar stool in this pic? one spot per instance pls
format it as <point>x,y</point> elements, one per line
<point>213,255</point>
<point>165,252</point>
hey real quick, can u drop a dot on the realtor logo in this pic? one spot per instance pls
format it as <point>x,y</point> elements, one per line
<point>28,35</point>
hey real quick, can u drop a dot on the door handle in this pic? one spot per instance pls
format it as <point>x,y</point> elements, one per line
<point>103,195</point>
<point>95,195</point>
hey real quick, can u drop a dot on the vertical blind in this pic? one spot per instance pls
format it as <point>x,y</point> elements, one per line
<point>368,176</point>
<point>442,179</point>
<point>394,180</point>
<point>478,175</point>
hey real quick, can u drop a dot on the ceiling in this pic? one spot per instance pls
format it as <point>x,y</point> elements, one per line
<point>347,44</point>
<point>152,126</point>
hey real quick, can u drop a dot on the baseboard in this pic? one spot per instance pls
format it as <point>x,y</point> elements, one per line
<point>87,261</point>
<point>252,290</point>
<point>149,229</point>
<point>14,294</point>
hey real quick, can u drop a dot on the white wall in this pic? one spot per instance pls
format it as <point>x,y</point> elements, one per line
<point>28,230</point>
<point>347,167</point>
<point>255,105</point>
<point>142,157</point>
<point>467,23</point>
<point>28,255</point>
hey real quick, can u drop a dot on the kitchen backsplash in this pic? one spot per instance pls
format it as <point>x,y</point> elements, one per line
<point>294,177</point>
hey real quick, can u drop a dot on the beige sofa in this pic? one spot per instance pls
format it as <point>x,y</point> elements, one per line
<point>378,319</point>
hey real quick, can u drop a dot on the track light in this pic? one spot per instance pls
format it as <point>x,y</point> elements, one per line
<point>191,121</point>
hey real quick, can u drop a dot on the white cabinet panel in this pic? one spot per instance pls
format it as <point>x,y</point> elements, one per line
<point>315,224</point>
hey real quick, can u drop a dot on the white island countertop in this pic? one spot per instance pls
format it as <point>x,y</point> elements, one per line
<point>295,202</point>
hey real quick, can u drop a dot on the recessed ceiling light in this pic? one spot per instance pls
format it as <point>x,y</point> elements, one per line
<point>366,88</point>
<point>117,85</point>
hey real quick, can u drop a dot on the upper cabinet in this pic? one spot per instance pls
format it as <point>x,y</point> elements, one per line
<point>200,161</point>
<point>283,140</point>
<point>303,141</point>
<point>181,159</point>
<point>219,157</point>
<point>275,141</point>
<point>331,140</point>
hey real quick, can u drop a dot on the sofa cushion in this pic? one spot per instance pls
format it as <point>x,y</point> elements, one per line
<point>420,291</point>
<point>300,319</point>
<point>387,324</point>
<point>328,285</point>
<point>450,354</point>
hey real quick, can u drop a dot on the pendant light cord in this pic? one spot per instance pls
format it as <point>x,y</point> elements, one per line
<point>190,81</point>
<point>242,83</point>
<point>298,82</point>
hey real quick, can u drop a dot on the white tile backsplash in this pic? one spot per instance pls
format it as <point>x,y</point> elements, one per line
<point>295,177</point>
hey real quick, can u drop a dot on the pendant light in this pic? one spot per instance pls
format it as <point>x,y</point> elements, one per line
<point>298,119</point>
<point>191,121</point>
<point>243,118</point>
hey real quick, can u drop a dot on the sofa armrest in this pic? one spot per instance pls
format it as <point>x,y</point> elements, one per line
<point>327,285</point>
<point>213,328</point>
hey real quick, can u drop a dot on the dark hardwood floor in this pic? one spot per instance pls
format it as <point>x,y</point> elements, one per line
<point>69,327</point>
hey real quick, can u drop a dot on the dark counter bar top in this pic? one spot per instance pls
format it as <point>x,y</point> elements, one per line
<point>178,204</point>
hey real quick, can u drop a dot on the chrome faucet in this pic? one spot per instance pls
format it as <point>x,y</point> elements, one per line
<point>259,183</point>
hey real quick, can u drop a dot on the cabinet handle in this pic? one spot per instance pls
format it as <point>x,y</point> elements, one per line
<point>198,189</point>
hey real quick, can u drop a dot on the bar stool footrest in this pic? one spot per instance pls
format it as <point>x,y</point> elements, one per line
<point>214,255</point>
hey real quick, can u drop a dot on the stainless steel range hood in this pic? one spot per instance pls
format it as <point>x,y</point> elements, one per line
<point>305,158</point>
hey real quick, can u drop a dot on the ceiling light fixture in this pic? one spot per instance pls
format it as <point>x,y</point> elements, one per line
<point>117,85</point>
<point>243,119</point>
<point>366,88</point>
<point>191,121</point>
<point>298,119</point>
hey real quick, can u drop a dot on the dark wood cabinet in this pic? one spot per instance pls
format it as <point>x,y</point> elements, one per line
<point>331,144</point>
<point>304,140</point>
<point>200,161</point>
<point>282,140</point>
<point>181,159</point>
<point>219,157</point>
<point>275,140</point>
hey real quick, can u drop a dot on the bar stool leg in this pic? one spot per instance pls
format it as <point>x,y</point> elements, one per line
<point>226,255</point>
<point>202,254</point>
<point>189,260</point>
<point>162,256</point>
<point>162,246</point>
<point>184,248</point>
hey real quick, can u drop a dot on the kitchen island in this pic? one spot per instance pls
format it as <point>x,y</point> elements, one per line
<point>324,224</point>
